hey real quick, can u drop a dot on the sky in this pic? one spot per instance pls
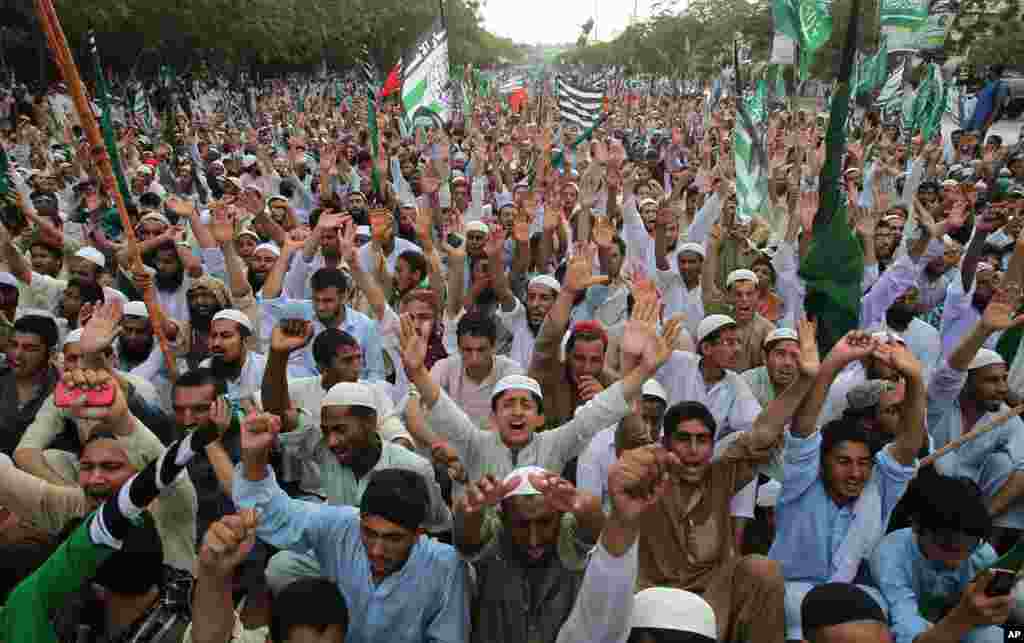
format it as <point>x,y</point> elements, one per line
<point>558,21</point>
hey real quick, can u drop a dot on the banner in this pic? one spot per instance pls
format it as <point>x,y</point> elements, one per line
<point>921,26</point>
<point>426,83</point>
<point>783,50</point>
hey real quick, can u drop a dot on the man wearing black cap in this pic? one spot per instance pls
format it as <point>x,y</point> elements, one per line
<point>931,575</point>
<point>843,613</point>
<point>374,553</point>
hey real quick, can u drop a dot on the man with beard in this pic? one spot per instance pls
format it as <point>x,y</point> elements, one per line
<point>206,297</point>
<point>837,493</point>
<point>781,360</point>
<point>264,256</point>
<point>740,302</point>
<point>138,352</point>
<point>581,376</point>
<point>921,337</point>
<point>320,250</point>
<point>968,390</point>
<point>107,461</point>
<point>239,368</point>
<point>681,288</point>
<point>331,289</point>
<point>938,274</point>
<point>968,296</point>
<point>347,448</point>
<point>529,555</point>
<point>522,319</point>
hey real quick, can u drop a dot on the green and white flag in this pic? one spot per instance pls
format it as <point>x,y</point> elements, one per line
<point>809,22</point>
<point>891,97</point>
<point>425,85</point>
<point>907,14</point>
<point>929,104</point>
<point>751,158</point>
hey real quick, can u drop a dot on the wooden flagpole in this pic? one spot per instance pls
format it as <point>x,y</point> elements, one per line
<point>69,71</point>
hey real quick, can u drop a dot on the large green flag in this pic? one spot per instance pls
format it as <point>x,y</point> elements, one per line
<point>751,155</point>
<point>106,126</point>
<point>834,264</point>
<point>908,14</point>
<point>809,22</point>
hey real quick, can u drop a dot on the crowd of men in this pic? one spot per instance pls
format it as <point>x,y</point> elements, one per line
<point>484,384</point>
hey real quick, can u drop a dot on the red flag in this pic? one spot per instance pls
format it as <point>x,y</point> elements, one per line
<point>516,99</point>
<point>393,82</point>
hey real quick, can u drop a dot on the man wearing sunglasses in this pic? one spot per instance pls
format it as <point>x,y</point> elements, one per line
<point>931,574</point>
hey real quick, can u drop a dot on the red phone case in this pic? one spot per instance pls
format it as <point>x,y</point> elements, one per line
<point>64,397</point>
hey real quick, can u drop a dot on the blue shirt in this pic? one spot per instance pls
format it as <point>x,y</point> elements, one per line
<point>356,324</point>
<point>915,587</point>
<point>426,601</point>
<point>810,527</point>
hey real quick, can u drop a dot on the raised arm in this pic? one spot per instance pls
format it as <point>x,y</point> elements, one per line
<point>853,346</point>
<point>289,336</point>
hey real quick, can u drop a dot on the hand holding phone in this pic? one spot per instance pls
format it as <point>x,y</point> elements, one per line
<point>65,396</point>
<point>1002,582</point>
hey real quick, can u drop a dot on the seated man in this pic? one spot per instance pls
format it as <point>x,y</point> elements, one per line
<point>781,355</point>
<point>348,450</point>
<point>837,494</point>
<point>373,553</point>
<point>232,360</point>
<point>969,389</point>
<point>133,601</point>
<point>56,429</point>
<point>929,574</point>
<point>687,544</point>
<point>529,558</point>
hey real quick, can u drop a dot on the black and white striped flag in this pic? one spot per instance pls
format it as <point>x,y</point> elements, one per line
<point>367,69</point>
<point>577,104</point>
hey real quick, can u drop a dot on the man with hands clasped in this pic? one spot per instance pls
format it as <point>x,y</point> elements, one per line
<point>528,536</point>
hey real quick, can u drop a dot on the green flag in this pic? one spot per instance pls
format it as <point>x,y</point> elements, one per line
<point>106,126</point>
<point>834,264</point>
<point>751,160</point>
<point>907,14</point>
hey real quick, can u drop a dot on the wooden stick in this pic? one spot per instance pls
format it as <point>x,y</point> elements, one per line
<point>973,434</point>
<point>69,71</point>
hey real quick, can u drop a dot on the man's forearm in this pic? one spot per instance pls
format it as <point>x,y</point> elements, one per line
<point>213,610</point>
<point>770,424</point>
<point>274,390</point>
<point>1009,493</point>
<point>590,518</point>
<point>32,461</point>
<point>618,535</point>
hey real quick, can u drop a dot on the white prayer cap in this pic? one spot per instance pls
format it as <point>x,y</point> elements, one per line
<point>73,337</point>
<point>518,383</point>
<point>248,231</point>
<point>983,266</point>
<point>740,275</point>
<point>92,255</point>
<point>524,488</point>
<point>478,226</point>
<point>269,247</point>
<point>985,357</point>
<point>667,608</point>
<point>888,337</point>
<point>364,231</point>
<point>136,309</point>
<point>647,201</point>
<point>653,389</point>
<point>277,197</point>
<point>768,493</point>
<point>547,281</point>
<point>7,279</point>
<point>780,334</point>
<point>155,216</point>
<point>350,394</point>
<point>695,248</point>
<point>712,324</point>
<point>236,316</point>
<point>408,201</point>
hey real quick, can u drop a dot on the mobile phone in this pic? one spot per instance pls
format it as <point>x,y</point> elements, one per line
<point>1002,582</point>
<point>65,396</point>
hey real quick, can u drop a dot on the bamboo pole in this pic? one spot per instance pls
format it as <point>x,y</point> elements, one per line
<point>69,71</point>
<point>973,434</point>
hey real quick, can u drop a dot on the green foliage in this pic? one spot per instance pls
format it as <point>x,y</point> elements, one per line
<point>988,36</point>
<point>266,35</point>
<point>659,45</point>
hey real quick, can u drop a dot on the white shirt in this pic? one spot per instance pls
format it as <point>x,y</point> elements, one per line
<point>523,339</point>
<point>249,380</point>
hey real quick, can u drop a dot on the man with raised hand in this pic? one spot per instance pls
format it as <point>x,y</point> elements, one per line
<point>373,553</point>
<point>517,404</point>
